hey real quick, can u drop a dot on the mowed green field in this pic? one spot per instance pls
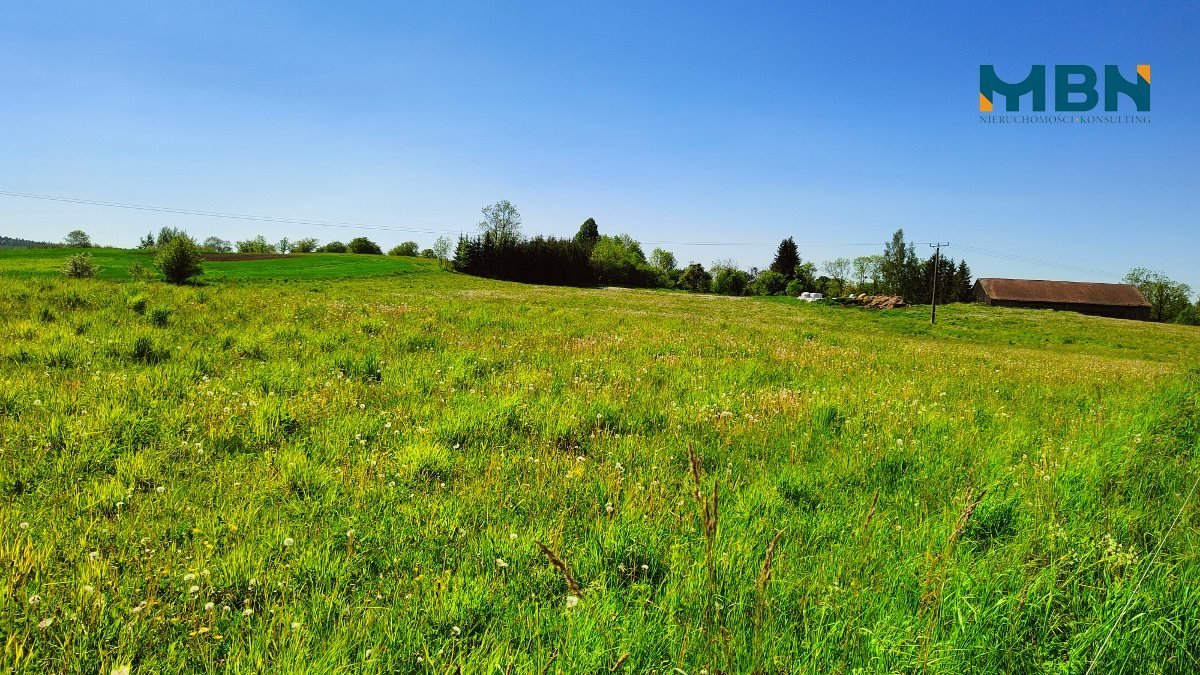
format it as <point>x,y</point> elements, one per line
<point>354,476</point>
<point>116,264</point>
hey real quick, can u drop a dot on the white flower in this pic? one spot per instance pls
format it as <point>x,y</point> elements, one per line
<point>23,525</point>
<point>189,576</point>
<point>208,606</point>
<point>608,507</point>
<point>120,670</point>
<point>349,533</point>
<point>94,555</point>
<point>456,630</point>
<point>500,563</point>
<point>160,489</point>
<point>512,536</point>
<point>45,623</point>
<point>247,612</point>
<point>288,541</point>
<point>35,599</point>
<point>572,600</point>
<point>194,589</point>
<point>295,625</point>
<point>88,588</point>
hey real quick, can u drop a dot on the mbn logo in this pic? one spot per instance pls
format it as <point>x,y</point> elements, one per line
<point>1074,89</point>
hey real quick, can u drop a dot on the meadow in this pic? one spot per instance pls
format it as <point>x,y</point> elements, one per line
<point>431,473</point>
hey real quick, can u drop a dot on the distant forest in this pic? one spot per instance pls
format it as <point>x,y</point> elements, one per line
<point>13,242</point>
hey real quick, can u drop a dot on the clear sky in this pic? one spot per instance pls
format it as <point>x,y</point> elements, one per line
<point>745,122</point>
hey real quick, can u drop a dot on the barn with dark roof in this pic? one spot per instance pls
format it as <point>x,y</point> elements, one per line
<point>1120,301</point>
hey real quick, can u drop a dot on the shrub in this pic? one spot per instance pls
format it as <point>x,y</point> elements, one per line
<point>137,303</point>
<point>363,245</point>
<point>258,244</point>
<point>333,247</point>
<point>79,266</point>
<point>137,272</point>
<point>794,288</point>
<point>695,279</point>
<point>408,248</point>
<point>770,282</point>
<point>1190,316</point>
<point>730,281</point>
<point>178,260</point>
<point>159,316</point>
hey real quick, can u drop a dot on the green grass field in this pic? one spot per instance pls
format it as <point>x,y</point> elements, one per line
<point>354,475</point>
<point>116,263</point>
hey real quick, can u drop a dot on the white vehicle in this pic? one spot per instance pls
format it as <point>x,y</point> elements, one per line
<point>810,297</point>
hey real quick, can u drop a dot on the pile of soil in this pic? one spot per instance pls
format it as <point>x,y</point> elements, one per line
<point>884,302</point>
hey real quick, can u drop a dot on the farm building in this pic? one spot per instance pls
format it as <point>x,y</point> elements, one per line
<point>1120,301</point>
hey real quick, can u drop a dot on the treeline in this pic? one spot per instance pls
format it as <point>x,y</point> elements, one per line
<point>589,258</point>
<point>501,251</point>
<point>259,245</point>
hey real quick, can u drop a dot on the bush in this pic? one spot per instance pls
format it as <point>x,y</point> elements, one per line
<point>79,266</point>
<point>178,260</point>
<point>408,248</point>
<point>137,272</point>
<point>770,282</point>
<point>695,279</point>
<point>258,244</point>
<point>730,281</point>
<point>1189,316</point>
<point>429,253</point>
<point>333,247</point>
<point>364,246</point>
<point>137,303</point>
<point>794,288</point>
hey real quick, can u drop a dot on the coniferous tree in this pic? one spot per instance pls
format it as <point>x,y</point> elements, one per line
<point>787,258</point>
<point>963,283</point>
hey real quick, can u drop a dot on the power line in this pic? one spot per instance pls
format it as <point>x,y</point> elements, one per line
<point>395,228</point>
<point>1035,261</point>
<point>219,214</point>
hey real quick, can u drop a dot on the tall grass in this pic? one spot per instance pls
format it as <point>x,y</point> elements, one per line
<point>355,476</point>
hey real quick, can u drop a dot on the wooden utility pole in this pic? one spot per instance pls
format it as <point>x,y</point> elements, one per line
<point>937,251</point>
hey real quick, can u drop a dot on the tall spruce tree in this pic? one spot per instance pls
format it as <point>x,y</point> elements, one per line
<point>963,283</point>
<point>787,258</point>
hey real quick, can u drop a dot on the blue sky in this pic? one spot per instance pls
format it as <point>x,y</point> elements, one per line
<point>680,122</point>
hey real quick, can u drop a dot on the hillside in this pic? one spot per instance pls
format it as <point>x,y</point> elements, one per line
<point>356,474</point>
<point>116,264</point>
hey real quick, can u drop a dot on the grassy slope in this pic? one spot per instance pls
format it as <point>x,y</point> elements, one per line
<point>452,422</point>
<point>115,263</point>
